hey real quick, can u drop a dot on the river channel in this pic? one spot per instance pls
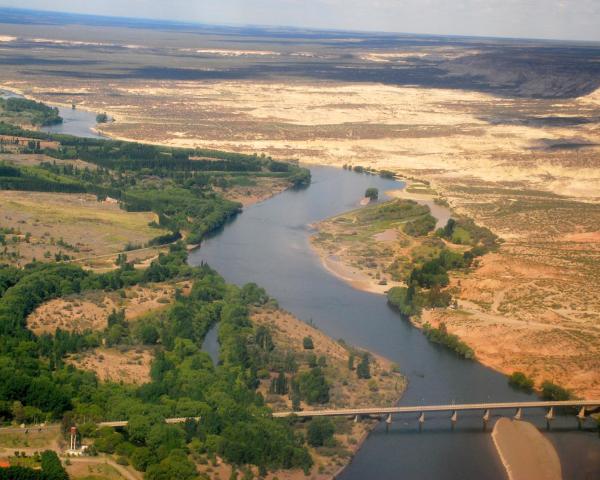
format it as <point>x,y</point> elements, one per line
<point>269,244</point>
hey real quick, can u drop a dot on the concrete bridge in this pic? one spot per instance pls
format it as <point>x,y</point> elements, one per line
<point>346,412</point>
<point>581,405</point>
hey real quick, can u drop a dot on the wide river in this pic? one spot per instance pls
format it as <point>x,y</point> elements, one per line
<point>269,244</point>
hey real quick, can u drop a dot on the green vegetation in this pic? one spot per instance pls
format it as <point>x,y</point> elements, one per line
<point>420,226</point>
<point>443,337</point>
<point>372,193</point>
<point>520,381</point>
<point>363,370</point>
<point>320,432</point>
<point>428,279</point>
<point>387,174</point>
<point>551,391</point>
<point>312,386</point>
<point>30,111</point>
<point>101,118</point>
<point>307,343</point>
<point>177,184</point>
<point>51,466</point>
<point>21,473</point>
<point>464,231</point>
<point>51,469</point>
<point>235,422</point>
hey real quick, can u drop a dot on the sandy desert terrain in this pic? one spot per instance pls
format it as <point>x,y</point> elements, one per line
<point>509,135</point>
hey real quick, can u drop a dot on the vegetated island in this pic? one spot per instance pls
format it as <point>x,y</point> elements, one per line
<point>82,341</point>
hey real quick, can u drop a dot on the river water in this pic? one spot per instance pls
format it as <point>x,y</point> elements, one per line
<point>269,244</point>
<point>81,123</point>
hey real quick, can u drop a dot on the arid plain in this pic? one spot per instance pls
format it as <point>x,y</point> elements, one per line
<point>507,133</point>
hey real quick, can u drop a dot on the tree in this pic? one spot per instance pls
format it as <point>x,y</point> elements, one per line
<point>51,466</point>
<point>313,386</point>
<point>320,431</point>
<point>141,458</point>
<point>101,118</point>
<point>138,428</point>
<point>363,370</point>
<point>372,193</point>
<point>279,385</point>
<point>264,339</point>
<point>351,361</point>
<point>551,391</point>
<point>176,465</point>
<point>307,343</point>
<point>18,412</point>
<point>521,381</point>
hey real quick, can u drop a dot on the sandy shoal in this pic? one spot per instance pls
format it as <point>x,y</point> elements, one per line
<point>525,452</point>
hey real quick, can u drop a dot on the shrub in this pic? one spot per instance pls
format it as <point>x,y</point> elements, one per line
<point>320,430</point>
<point>372,193</point>
<point>521,381</point>
<point>551,391</point>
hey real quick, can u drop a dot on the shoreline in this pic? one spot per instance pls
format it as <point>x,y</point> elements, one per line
<point>524,452</point>
<point>359,280</point>
<point>290,329</point>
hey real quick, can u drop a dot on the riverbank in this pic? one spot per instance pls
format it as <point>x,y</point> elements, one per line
<point>525,453</point>
<point>384,387</point>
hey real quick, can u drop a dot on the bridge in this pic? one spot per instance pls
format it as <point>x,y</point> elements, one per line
<point>367,411</point>
<point>581,405</point>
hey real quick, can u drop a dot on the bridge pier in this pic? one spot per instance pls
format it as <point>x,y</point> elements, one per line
<point>453,419</point>
<point>581,418</point>
<point>518,414</point>
<point>388,422</point>
<point>421,421</point>
<point>549,417</point>
<point>356,418</point>
<point>486,419</point>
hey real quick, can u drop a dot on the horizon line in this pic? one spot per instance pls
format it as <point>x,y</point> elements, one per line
<point>199,23</point>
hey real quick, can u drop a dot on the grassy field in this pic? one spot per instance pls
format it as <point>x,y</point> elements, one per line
<point>77,225</point>
<point>32,439</point>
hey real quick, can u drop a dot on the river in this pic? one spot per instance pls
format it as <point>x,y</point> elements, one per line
<point>269,244</point>
<point>80,123</point>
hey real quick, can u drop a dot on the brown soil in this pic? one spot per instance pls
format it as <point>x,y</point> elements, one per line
<point>263,189</point>
<point>89,311</point>
<point>347,390</point>
<point>116,365</point>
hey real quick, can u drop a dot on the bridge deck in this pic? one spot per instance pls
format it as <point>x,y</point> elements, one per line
<point>438,408</point>
<point>388,410</point>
